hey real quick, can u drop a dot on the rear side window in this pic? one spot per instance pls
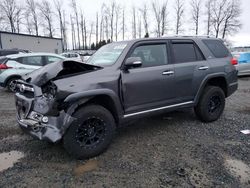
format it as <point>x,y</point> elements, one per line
<point>33,60</point>
<point>186,52</point>
<point>217,48</point>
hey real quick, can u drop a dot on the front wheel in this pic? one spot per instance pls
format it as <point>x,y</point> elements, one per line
<point>91,133</point>
<point>211,104</point>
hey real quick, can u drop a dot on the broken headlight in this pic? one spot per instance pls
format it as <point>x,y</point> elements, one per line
<point>49,90</point>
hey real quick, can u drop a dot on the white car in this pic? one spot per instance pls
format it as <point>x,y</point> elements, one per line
<point>72,56</point>
<point>12,67</point>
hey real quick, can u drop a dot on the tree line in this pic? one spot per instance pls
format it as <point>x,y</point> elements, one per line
<point>113,22</point>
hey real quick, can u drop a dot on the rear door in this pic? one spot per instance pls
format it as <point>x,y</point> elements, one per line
<point>151,85</point>
<point>190,68</point>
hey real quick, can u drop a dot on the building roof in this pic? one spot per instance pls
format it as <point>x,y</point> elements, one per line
<point>21,34</point>
<point>33,54</point>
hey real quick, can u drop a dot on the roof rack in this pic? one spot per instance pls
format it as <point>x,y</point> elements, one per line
<point>198,36</point>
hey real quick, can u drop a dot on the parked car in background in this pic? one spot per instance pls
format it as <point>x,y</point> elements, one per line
<point>72,56</point>
<point>85,57</point>
<point>12,67</point>
<point>5,52</point>
<point>243,65</point>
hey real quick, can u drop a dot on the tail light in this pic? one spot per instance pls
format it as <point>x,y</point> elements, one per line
<point>234,61</point>
<point>4,66</point>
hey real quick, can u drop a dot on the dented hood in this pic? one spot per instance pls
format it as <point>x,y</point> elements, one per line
<point>58,70</point>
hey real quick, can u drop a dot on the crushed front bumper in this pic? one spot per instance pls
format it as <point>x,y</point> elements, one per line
<point>32,119</point>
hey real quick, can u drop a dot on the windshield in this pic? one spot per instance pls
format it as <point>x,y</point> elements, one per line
<point>108,54</point>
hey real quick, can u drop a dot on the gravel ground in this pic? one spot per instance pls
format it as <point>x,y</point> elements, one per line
<point>170,150</point>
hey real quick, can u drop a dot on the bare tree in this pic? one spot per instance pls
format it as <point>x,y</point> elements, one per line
<point>123,24</point>
<point>134,22</point>
<point>231,23</point>
<point>218,15</point>
<point>139,27</point>
<point>82,29</point>
<point>144,12</point>
<point>74,6</point>
<point>91,33</point>
<point>59,11</point>
<point>9,8</point>
<point>179,11</point>
<point>65,32</point>
<point>111,17</point>
<point>160,13</point>
<point>85,32</point>
<point>164,14</point>
<point>97,28</point>
<point>18,18</point>
<point>47,14</point>
<point>208,7</point>
<point>117,15</point>
<point>32,8</point>
<point>157,14</point>
<point>28,22</point>
<point>73,35</point>
<point>196,14</point>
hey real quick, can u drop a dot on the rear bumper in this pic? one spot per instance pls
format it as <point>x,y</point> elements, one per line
<point>232,88</point>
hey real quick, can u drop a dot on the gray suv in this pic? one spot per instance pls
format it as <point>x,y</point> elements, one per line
<point>83,104</point>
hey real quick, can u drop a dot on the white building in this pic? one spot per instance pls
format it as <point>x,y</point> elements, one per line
<point>30,42</point>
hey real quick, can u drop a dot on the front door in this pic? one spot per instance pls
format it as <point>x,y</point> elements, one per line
<point>151,85</point>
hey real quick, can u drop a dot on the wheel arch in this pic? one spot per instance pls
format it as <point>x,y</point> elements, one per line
<point>218,80</point>
<point>10,77</point>
<point>103,97</point>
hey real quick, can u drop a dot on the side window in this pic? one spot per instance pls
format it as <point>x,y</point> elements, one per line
<point>217,48</point>
<point>52,59</point>
<point>33,60</point>
<point>151,55</point>
<point>186,52</point>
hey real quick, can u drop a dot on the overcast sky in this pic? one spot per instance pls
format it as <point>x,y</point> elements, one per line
<point>90,8</point>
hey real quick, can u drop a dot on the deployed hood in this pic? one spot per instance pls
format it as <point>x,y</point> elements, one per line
<point>58,70</point>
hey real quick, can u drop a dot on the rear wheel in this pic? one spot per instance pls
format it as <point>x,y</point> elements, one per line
<point>91,134</point>
<point>211,104</point>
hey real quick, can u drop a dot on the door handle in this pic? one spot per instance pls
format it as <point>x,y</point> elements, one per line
<point>167,73</point>
<point>203,68</point>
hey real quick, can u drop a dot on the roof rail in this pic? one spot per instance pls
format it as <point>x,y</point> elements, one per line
<point>198,36</point>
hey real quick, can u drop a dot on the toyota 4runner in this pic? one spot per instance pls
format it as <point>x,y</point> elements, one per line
<point>83,104</point>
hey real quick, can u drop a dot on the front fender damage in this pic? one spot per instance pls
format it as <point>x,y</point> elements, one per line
<point>43,113</point>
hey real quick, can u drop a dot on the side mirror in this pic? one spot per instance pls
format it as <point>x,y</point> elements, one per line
<point>133,62</point>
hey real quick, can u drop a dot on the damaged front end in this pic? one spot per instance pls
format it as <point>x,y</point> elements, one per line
<point>40,108</point>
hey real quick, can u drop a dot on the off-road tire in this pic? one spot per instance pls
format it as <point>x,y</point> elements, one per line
<point>73,138</point>
<point>204,111</point>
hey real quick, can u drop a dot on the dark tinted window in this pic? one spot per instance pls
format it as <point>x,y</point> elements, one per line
<point>217,48</point>
<point>186,52</point>
<point>151,55</point>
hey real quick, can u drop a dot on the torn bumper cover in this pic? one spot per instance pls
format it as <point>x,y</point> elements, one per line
<point>38,99</point>
<point>31,119</point>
